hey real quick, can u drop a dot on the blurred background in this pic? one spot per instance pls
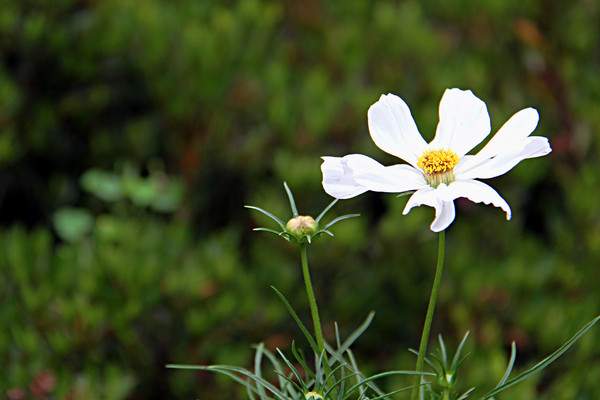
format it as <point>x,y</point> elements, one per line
<point>132,133</point>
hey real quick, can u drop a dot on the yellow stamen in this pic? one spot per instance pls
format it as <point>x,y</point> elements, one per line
<point>313,395</point>
<point>437,161</point>
<point>438,166</point>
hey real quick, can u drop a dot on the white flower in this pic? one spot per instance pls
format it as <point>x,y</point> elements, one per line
<point>441,171</point>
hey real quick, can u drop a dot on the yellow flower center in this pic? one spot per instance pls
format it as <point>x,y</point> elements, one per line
<point>438,166</point>
<point>313,396</point>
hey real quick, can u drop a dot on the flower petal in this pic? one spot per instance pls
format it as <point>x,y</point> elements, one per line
<point>512,133</point>
<point>355,174</point>
<point>475,191</point>
<point>509,137</point>
<point>393,179</point>
<point>338,180</point>
<point>444,210</point>
<point>393,129</point>
<point>464,122</point>
<point>531,147</point>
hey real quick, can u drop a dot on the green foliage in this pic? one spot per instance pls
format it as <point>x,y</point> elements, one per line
<point>444,386</point>
<point>234,97</point>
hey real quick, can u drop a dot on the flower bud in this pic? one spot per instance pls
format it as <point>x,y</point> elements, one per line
<point>313,395</point>
<point>302,225</point>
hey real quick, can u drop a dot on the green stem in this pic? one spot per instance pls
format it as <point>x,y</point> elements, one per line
<point>437,280</point>
<point>312,301</point>
<point>314,311</point>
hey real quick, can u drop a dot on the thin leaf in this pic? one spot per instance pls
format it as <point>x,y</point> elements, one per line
<point>306,332</point>
<point>544,363</point>
<point>343,375</point>
<point>257,368</point>
<point>406,193</point>
<point>466,394</point>
<point>511,363</point>
<point>437,369</point>
<point>459,349</point>
<point>273,231</point>
<point>268,214</point>
<point>279,369</point>
<point>384,374</point>
<point>292,368</point>
<point>443,350</point>
<point>290,196</point>
<point>339,219</point>
<point>359,375</point>
<point>339,382</point>
<point>231,371</point>
<point>290,382</point>
<point>326,210</point>
<point>322,231</point>
<point>356,334</point>
<point>302,361</point>
<point>371,385</point>
<point>393,392</point>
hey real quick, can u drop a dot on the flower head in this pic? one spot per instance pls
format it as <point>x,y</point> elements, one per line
<point>440,171</point>
<point>313,396</point>
<point>302,225</point>
<point>300,228</point>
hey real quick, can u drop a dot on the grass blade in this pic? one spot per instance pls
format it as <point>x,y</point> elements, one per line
<point>231,372</point>
<point>511,363</point>
<point>326,210</point>
<point>544,363</point>
<point>290,196</point>
<point>459,350</point>
<point>306,332</point>
<point>257,369</point>
<point>381,375</point>
<point>268,214</point>
<point>283,381</point>
<point>339,219</point>
<point>273,231</point>
<point>443,352</point>
<point>356,334</point>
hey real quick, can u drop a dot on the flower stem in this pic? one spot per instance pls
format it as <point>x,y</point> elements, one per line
<point>312,301</point>
<point>437,280</point>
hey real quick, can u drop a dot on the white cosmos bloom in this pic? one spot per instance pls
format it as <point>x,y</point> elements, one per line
<point>440,171</point>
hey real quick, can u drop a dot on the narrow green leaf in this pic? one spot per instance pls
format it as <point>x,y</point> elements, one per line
<point>283,383</point>
<point>466,394</point>
<point>435,367</point>
<point>388,394</point>
<point>356,334</point>
<point>511,363</point>
<point>290,383</point>
<point>257,369</point>
<point>292,368</point>
<point>273,231</point>
<point>361,376</point>
<point>342,384</point>
<point>225,368</point>
<point>544,363</point>
<point>230,372</point>
<point>306,332</point>
<point>443,351</point>
<point>326,210</point>
<point>459,350</point>
<point>339,219</point>
<point>290,196</point>
<point>268,214</point>
<point>339,382</point>
<point>384,374</point>
<point>299,356</point>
